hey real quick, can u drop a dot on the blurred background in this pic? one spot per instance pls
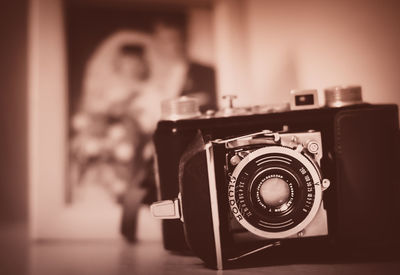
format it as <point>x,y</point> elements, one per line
<point>53,52</point>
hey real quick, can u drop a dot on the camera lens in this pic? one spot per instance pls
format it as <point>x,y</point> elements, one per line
<point>274,192</point>
<point>282,200</point>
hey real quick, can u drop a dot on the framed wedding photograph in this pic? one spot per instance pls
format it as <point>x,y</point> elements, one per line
<point>94,68</point>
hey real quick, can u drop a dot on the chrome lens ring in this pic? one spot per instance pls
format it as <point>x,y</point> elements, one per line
<point>292,167</point>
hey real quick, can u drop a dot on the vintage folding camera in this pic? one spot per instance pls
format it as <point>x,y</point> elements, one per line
<point>272,184</point>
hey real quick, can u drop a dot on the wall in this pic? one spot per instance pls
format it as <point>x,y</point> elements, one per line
<point>13,96</point>
<point>316,44</point>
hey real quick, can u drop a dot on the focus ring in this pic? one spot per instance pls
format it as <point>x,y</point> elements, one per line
<point>299,173</point>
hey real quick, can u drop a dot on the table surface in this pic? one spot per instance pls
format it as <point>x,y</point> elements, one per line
<point>18,255</point>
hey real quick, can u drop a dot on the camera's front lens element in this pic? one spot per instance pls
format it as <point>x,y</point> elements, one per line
<point>274,192</point>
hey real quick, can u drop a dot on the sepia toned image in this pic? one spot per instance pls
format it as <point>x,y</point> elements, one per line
<point>199,137</point>
<point>119,74</point>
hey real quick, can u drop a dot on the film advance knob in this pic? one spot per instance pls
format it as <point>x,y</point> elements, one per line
<point>339,96</point>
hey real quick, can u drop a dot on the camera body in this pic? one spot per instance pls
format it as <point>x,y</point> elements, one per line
<point>273,185</point>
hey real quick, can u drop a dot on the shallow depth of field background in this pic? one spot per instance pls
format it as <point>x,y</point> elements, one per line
<point>260,49</point>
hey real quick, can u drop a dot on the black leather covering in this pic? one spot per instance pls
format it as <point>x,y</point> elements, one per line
<point>367,177</point>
